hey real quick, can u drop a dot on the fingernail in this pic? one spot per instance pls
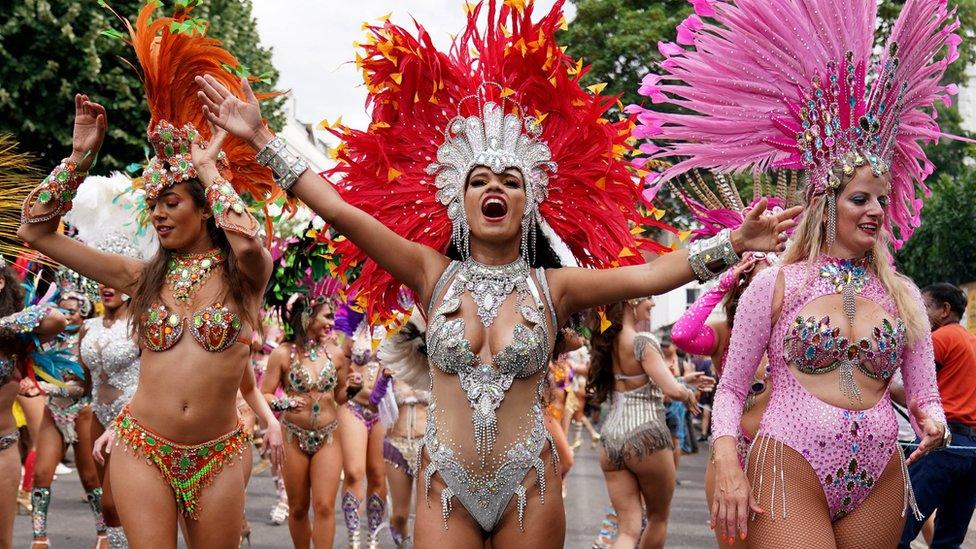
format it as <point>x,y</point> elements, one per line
<point>742,536</point>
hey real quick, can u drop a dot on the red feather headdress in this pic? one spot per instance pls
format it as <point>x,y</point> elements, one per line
<point>170,56</point>
<point>514,73</point>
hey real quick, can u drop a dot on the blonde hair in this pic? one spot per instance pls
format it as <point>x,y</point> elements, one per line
<point>807,244</point>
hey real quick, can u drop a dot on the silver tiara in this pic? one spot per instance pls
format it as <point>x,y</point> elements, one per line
<point>500,138</point>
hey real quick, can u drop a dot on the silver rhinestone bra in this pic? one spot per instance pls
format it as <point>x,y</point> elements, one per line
<point>113,359</point>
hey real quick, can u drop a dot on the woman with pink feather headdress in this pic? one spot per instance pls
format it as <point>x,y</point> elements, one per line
<point>835,319</point>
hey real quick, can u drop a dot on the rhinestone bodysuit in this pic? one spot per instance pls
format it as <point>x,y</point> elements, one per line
<point>113,359</point>
<point>847,449</point>
<point>485,433</point>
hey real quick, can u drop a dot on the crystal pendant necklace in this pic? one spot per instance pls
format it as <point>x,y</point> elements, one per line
<point>187,272</point>
<point>848,277</point>
<point>489,285</point>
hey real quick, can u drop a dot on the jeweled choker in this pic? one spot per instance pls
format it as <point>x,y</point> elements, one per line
<point>848,277</point>
<point>489,285</point>
<point>187,272</point>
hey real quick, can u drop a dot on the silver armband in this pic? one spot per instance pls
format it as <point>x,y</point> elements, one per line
<point>284,163</point>
<point>711,256</point>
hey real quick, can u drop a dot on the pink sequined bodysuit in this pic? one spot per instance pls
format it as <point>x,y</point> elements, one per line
<point>847,449</point>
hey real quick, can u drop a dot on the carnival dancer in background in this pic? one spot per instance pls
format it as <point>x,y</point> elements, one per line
<point>405,353</point>
<point>67,419</point>
<point>716,204</point>
<point>363,430</point>
<point>21,331</point>
<point>834,318</point>
<point>447,194</point>
<point>105,214</point>
<point>311,368</point>
<point>195,302</point>
<point>628,369</point>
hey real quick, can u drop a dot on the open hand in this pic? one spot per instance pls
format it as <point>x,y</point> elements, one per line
<point>89,131</point>
<point>205,155</point>
<point>932,432</point>
<point>223,109</point>
<point>764,233</point>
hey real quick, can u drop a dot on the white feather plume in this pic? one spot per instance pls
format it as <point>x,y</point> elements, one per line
<point>104,207</point>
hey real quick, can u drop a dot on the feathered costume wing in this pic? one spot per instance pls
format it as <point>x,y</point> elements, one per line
<point>759,71</point>
<point>416,90</point>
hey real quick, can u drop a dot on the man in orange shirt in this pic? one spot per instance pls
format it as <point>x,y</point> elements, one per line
<point>946,480</point>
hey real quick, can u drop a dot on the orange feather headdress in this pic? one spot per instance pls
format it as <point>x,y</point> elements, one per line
<point>170,54</point>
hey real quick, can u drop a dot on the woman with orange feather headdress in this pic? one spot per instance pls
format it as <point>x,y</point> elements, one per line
<point>488,173</point>
<point>207,279</point>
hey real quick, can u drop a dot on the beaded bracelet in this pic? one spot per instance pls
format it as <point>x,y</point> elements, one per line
<point>223,200</point>
<point>58,188</point>
<point>26,320</point>
<point>284,163</point>
<point>282,404</point>
<point>710,257</point>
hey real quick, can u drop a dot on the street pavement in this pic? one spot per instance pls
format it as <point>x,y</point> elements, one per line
<point>71,526</point>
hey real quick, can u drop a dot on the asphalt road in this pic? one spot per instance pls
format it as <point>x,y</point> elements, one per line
<point>71,527</point>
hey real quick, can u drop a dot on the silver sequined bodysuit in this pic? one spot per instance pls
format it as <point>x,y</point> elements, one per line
<point>113,359</point>
<point>485,429</point>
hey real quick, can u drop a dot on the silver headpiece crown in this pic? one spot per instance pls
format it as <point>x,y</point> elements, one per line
<point>497,138</point>
<point>118,243</point>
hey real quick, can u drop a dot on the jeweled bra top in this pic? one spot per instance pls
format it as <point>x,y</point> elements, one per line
<point>110,349</point>
<point>817,347</point>
<point>216,328</point>
<point>486,384</point>
<point>300,380</point>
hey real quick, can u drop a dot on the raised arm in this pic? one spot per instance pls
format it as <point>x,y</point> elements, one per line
<point>415,265</point>
<point>44,321</point>
<point>230,214</point>
<point>647,351</point>
<point>691,333</point>
<point>577,289</point>
<point>44,207</point>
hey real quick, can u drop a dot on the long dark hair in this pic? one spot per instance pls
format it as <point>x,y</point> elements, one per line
<point>154,274</point>
<point>295,319</point>
<point>599,381</point>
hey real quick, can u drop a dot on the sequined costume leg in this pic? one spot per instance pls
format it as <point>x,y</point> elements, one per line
<point>94,497</point>
<point>40,501</point>
<point>375,515</point>
<point>116,538</point>
<point>350,512</point>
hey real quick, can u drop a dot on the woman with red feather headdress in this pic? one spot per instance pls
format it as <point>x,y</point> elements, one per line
<point>453,191</point>
<point>207,279</point>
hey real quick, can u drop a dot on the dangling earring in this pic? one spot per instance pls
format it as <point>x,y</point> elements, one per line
<point>461,235</point>
<point>831,220</point>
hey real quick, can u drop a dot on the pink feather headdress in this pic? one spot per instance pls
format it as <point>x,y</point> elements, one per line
<point>786,84</point>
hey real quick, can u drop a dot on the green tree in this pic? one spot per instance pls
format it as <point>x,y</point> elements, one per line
<point>943,249</point>
<point>51,49</point>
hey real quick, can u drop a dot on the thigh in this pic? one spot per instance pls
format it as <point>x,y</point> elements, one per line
<point>544,523</point>
<point>325,469</point>
<point>807,516</point>
<point>33,412</point>
<point>221,511</point>
<point>144,501</point>
<point>878,521</point>
<point>296,475</point>
<point>83,450</point>
<point>96,430</point>
<point>49,445</point>
<point>625,494</point>
<point>401,488</point>
<point>9,477</point>
<point>375,465</point>
<point>462,531</point>
<point>655,475</point>
<point>354,440</point>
